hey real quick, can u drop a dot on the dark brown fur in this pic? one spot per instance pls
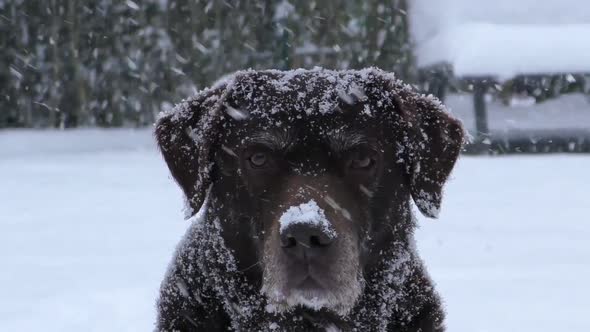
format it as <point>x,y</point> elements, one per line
<point>215,280</point>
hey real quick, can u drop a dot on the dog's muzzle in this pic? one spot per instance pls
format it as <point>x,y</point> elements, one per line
<point>305,232</point>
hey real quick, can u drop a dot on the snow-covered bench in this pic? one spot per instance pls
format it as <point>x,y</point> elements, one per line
<point>485,42</point>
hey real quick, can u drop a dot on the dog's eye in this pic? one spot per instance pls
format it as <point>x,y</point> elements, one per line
<point>258,159</point>
<point>361,159</point>
<point>363,162</point>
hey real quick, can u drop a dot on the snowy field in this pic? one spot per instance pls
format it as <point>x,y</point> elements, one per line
<point>89,220</point>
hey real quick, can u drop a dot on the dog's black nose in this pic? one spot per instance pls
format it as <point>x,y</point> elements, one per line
<point>302,240</point>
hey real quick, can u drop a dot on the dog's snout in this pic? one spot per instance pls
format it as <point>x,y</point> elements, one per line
<point>305,239</point>
<point>305,231</point>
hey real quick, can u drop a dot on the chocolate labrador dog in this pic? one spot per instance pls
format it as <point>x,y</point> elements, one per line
<point>304,181</point>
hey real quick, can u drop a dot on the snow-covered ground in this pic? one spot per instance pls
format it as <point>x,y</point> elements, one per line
<point>89,220</point>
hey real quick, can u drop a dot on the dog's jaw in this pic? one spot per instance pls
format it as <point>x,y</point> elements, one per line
<point>348,285</point>
<point>340,303</point>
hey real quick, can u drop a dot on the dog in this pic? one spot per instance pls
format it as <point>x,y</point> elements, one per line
<point>304,181</point>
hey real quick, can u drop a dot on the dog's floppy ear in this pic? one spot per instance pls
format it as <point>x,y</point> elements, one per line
<point>433,140</point>
<point>185,137</point>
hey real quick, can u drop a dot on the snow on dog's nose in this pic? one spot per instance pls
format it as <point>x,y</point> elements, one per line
<point>305,230</point>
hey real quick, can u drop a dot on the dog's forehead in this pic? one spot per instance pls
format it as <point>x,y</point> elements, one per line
<point>309,92</point>
<point>282,131</point>
<point>307,106</point>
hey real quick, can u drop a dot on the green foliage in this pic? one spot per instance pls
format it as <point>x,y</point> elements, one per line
<point>111,63</point>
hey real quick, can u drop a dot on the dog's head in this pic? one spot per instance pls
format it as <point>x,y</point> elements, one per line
<point>312,173</point>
